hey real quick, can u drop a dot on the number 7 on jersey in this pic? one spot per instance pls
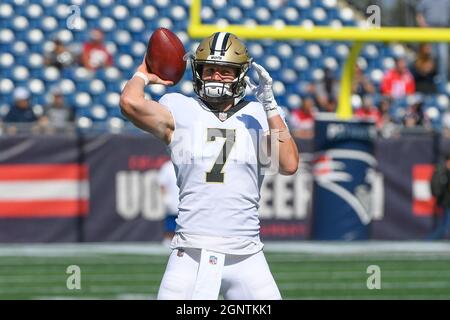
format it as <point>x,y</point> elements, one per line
<point>216,174</point>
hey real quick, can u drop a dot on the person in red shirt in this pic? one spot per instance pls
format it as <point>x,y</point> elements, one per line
<point>398,81</point>
<point>302,119</point>
<point>95,55</point>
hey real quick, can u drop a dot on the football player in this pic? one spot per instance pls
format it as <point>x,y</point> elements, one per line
<point>216,141</point>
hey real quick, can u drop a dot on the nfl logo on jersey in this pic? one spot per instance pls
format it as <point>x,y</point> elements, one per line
<point>222,116</point>
<point>212,260</point>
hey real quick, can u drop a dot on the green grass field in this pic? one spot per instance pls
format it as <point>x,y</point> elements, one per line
<point>301,270</point>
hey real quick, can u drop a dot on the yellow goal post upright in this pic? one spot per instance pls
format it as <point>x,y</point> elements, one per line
<point>359,35</point>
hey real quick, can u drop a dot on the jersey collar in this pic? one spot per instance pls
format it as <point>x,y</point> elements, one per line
<point>224,115</point>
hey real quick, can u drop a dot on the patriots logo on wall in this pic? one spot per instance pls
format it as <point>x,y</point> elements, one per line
<point>345,179</point>
<point>330,173</point>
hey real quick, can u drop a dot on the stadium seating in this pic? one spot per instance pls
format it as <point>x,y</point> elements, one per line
<point>28,27</point>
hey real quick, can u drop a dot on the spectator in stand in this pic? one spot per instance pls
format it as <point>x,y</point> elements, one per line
<point>368,111</point>
<point>95,55</point>
<point>398,81</point>
<point>386,124</point>
<point>414,116</point>
<point>385,115</point>
<point>21,115</point>
<point>59,57</point>
<point>58,115</point>
<point>436,14</point>
<point>301,120</point>
<point>424,70</point>
<point>361,83</point>
<point>326,92</point>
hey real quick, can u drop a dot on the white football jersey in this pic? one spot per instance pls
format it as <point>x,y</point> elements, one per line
<point>216,162</point>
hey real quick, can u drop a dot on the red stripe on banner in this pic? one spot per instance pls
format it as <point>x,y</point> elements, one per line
<point>43,209</point>
<point>423,172</point>
<point>423,208</point>
<point>43,172</point>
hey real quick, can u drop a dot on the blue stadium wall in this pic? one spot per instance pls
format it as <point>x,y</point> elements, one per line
<point>110,190</point>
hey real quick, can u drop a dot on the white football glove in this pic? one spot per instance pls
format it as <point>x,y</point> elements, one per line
<point>263,91</point>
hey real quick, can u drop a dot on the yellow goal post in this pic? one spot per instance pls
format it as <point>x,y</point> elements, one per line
<point>359,35</point>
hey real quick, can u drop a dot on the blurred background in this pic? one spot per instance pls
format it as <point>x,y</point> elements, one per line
<point>81,186</point>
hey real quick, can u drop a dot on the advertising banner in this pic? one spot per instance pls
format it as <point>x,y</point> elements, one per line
<point>105,188</point>
<point>126,202</point>
<point>344,176</point>
<point>44,189</point>
<point>406,165</point>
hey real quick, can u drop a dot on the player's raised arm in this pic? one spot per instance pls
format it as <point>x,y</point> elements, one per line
<point>145,114</point>
<point>287,149</point>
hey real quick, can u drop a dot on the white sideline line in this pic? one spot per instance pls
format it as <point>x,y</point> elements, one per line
<point>86,249</point>
<point>359,257</point>
<point>365,247</point>
<point>154,248</point>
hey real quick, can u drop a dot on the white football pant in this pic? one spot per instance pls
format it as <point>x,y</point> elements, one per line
<point>242,277</point>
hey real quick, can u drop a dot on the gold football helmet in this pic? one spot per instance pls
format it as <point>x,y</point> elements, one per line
<point>222,48</point>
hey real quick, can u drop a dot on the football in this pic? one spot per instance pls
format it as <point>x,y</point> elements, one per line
<point>165,53</point>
